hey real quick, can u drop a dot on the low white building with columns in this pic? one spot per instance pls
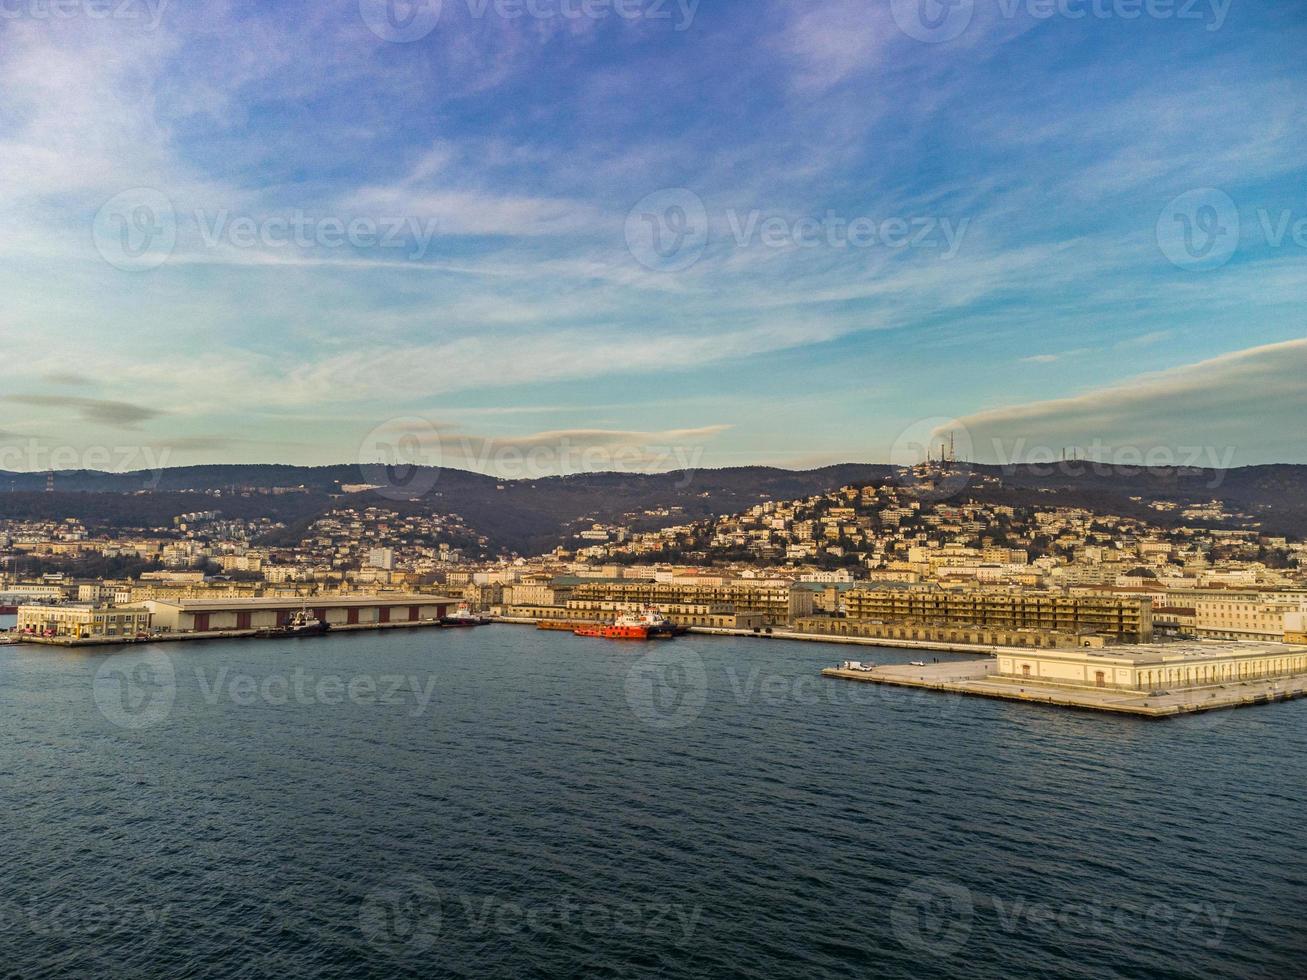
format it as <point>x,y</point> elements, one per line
<point>1154,667</point>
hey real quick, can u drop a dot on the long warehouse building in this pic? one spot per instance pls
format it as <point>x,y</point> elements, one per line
<point>207,615</point>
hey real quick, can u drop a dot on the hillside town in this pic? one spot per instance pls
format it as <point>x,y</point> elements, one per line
<point>909,559</point>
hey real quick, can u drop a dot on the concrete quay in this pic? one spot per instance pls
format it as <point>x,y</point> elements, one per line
<point>861,641</point>
<point>777,633</point>
<point>979,678</point>
<point>250,634</point>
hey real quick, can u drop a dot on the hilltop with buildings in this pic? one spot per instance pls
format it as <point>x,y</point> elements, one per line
<point>532,517</point>
<point>936,553</point>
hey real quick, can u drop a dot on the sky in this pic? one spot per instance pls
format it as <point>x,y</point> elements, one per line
<point>540,236</point>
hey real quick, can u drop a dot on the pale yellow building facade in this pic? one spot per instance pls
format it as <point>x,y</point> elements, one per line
<point>83,621</point>
<point>1156,666</point>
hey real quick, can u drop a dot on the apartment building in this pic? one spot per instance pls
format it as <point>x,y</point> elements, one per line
<point>1129,620</point>
<point>1224,614</point>
<point>776,601</point>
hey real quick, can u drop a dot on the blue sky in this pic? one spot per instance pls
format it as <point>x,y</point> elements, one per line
<point>624,235</point>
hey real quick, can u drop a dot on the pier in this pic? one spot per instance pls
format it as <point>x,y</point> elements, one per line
<point>980,678</point>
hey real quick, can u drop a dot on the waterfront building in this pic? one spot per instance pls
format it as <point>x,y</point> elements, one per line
<point>345,609</point>
<point>1226,614</point>
<point>778,602</point>
<point>1154,667</point>
<point>707,615</point>
<point>1127,620</point>
<point>83,620</point>
<point>1295,627</point>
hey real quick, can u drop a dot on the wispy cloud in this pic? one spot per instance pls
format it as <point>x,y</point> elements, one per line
<point>526,143</point>
<point>1242,401</point>
<point>94,410</point>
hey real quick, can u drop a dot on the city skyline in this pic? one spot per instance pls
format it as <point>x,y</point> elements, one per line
<point>764,234</point>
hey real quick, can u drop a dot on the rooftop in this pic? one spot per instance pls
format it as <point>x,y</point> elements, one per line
<point>1172,653</point>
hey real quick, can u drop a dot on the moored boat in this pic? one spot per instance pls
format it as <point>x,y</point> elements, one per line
<point>304,623</point>
<point>648,625</point>
<point>464,616</point>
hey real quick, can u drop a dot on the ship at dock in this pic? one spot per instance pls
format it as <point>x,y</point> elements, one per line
<point>302,623</point>
<point>464,616</point>
<point>648,625</point>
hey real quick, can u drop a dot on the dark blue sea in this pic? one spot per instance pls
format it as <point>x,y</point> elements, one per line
<point>502,802</point>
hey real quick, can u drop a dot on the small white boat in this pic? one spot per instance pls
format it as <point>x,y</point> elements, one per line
<point>916,663</point>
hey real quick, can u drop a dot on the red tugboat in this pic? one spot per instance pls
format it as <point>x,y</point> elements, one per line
<point>649,625</point>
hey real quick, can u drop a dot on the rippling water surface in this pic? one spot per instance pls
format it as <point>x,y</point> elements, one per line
<point>506,802</point>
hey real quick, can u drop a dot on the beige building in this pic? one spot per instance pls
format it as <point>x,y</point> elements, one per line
<point>1240,615</point>
<point>83,620</point>
<point>778,603</point>
<point>1156,667</point>
<point>605,611</point>
<point>1295,627</point>
<point>1128,620</point>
